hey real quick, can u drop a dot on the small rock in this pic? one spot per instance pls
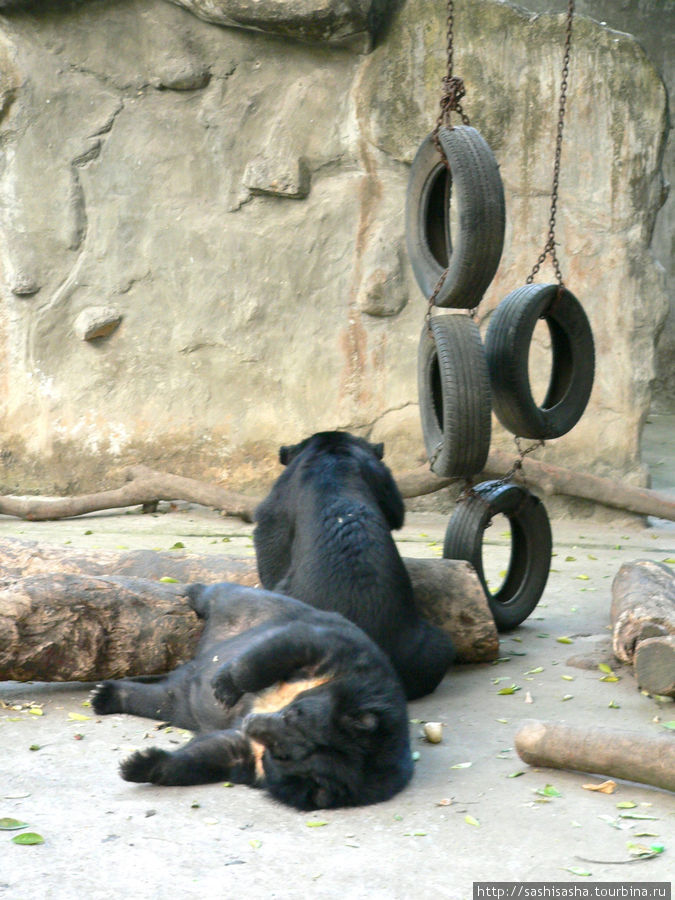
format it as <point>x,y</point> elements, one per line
<point>96,322</point>
<point>284,178</point>
<point>24,285</point>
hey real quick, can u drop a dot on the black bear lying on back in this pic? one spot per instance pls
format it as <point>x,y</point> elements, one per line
<point>280,696</point>
<point>323,535</point>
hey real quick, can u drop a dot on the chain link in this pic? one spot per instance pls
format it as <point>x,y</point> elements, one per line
<point>550,246</point>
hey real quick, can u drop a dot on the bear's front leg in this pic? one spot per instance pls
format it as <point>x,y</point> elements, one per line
<point>275,656</point>
<point>221,755</point>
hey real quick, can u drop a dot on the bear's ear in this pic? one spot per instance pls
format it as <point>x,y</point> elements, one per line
<point>379,450</point>
<point>365,721</point>
<point>284,455</point>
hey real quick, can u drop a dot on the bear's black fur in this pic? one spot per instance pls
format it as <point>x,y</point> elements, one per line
<point>281,696</point>
<point>323,535</point>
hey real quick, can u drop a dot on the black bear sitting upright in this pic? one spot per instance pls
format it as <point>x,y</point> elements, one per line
<point>323,535</point>
<point>281,696</point>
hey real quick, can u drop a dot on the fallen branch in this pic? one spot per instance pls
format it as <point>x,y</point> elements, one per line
<point>65,617</point>
<point>550,480</point>
<point>147,486</point>
<point>649,759</point>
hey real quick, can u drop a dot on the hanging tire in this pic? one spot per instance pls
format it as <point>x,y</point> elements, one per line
<point>454,395</point>
<point>531,545</point>
<point>507,345</point>
<point>472,255</point>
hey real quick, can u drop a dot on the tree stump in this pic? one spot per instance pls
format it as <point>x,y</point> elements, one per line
<point>74,615</point>
<point>643,623</point>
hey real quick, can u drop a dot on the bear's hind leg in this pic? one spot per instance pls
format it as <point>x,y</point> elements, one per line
<point>153,700</point>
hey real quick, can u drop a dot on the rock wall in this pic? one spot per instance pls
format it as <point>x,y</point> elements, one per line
<point>202,237</point>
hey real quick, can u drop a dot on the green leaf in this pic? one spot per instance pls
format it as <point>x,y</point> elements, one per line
<point>567,697</point>
<point>605,668</point>
<point>613,705</point>
<point>632,815</point>
<point>316,823</point>
<point>255,843</point>
<point>570,559</point>
<point>509,690</point>
<point>36,711</point>
<point>548,791</point>
<point>564,640</point>
<point>515,774</point>
<point>78,717</point>
<point>179,545</point>
<point>28,837</point>
<point>7,824</point>
<point>471,821</point>
<point>168,580</point>
<point>535,671</point>
<point>567,677</point>
<point>577,870</point>
<point>583,577</point>
<point>465,765</point>
<point>626,804</point>
<point>670,560</point>
<point>669,725</point>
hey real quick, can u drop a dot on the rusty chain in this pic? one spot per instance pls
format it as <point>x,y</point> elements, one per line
<point>452,90</point>
<point>550,248</point>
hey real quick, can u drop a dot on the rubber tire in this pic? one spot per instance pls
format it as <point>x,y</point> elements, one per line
<point>507,344</point>
<point>472,257</point>
<point>454,395</point>
<point>531,546</point>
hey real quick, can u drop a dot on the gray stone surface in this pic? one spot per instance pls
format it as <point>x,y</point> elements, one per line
<point>239,200</point>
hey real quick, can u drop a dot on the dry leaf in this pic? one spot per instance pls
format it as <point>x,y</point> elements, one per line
<point>607,787</point>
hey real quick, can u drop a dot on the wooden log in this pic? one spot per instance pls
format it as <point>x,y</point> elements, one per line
<point>648,759</point>
<point>65,617</point>
<point>654,665</point>
<point>64,627</point>
<point>643,605</point>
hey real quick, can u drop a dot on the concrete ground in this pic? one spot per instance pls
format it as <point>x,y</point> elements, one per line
<point>473,812</point>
